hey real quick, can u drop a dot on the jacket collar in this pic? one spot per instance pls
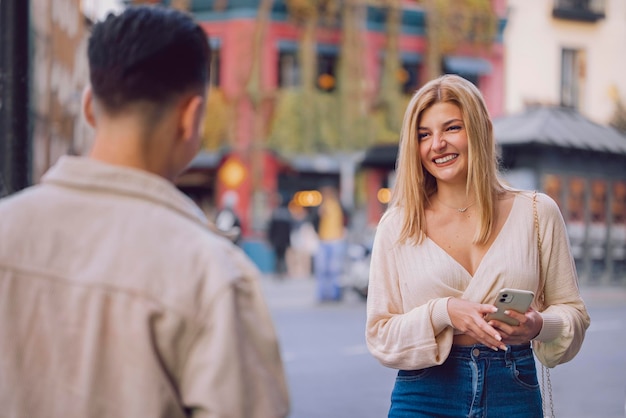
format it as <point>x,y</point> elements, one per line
<point>89,174</point>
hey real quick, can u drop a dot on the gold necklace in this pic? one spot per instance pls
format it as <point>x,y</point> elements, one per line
<point>460,210</point>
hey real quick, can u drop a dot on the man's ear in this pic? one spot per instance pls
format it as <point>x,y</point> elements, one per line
<point>191,117</point>
<point>88,110</point>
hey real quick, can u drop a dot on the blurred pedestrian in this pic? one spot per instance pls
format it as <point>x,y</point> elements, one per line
<point>330,222</point>
<point>116,299</point>
<point>278,234</point>
<point>304,243</point>
<point>227,220</point>
<point>453,237</point>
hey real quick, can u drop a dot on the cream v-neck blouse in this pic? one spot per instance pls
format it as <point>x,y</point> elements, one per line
<point>408,326</point>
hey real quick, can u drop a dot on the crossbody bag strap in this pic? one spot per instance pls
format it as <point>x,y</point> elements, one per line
<point>546,383</point>
<point>541,296</point>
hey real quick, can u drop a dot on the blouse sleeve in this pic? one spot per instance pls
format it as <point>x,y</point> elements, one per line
<point>565,317</point>
<point>418,338</point>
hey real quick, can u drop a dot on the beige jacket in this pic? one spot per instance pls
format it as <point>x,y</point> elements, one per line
<point>117,301</point>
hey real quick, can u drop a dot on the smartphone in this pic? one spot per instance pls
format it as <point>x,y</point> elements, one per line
<point>511,299</point>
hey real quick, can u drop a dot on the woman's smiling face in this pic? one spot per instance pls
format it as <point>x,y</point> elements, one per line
<point>443,143</point>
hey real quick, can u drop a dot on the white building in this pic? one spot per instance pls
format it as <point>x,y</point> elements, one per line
<point>566,52</point>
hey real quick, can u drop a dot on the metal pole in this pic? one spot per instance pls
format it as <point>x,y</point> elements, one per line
<point>15,158</point>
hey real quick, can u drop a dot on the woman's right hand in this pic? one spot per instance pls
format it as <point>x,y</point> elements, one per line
<point>469,318</point>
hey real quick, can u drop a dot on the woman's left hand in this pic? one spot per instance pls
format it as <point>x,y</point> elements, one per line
<point>530,324</point>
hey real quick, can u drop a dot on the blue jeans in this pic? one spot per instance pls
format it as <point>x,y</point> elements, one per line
<point>328,265</point>
<point>473,382</point>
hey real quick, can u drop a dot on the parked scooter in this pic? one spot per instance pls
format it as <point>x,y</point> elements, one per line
<point>357,268</point>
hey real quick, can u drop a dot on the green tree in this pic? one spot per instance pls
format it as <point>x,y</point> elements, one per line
<point>353,108</point>
<point>452,22</point>
<point>390,97</point>
<point>308,120</point>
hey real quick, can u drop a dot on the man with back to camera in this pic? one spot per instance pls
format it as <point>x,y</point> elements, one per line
<point>115,298</point>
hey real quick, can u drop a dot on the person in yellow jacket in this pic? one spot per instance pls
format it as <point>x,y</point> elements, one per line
<point>330,222</point>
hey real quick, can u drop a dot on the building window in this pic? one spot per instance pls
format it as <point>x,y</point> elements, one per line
<point>470,68</point>
<point>409,77</point>
<point>326,70</point>
<point>214,76</point>
<point>572,77</point>
<point>471,77</point>
<point>579,10</point>
<point>288,69</point>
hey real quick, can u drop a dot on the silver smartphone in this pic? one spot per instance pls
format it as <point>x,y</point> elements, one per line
<point>511,299</point>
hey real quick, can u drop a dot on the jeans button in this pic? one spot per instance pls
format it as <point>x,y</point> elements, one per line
<point>475,352</point>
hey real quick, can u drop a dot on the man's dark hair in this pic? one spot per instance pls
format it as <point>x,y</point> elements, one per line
<point>146,53</point>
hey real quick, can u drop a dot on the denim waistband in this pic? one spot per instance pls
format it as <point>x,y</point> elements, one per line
<point>479,350</point>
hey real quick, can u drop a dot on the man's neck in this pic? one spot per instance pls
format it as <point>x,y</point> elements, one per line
<point>124,145</point>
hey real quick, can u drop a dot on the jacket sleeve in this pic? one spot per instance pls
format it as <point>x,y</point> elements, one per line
<point>409,339</point>
<point>565,317</point>
<point>234,367</point>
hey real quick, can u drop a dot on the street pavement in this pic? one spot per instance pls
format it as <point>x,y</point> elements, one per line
<point>332,375</point>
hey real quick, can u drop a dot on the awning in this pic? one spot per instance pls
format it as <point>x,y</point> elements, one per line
<point>558,127</point>
<point>381,156</point>
<point>327,49</point>
<point>319,163</point>
<point>411,57</point>
<point>287,46</point>
<point>407,57</point>
<point>293,46</point>
<point>468,65</point>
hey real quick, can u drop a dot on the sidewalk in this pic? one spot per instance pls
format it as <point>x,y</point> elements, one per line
<point>300,293</point>
<point>603,295</point>
<point>288,293</point>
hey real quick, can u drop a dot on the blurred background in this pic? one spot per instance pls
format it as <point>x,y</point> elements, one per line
<point>306,93</point>
<point>311,92</point>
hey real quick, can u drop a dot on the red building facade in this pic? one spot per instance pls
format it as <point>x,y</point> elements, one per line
<point>257,58</point>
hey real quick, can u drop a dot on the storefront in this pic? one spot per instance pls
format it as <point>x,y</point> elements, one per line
<point>582,166</point>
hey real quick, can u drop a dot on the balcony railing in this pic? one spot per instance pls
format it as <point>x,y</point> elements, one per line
<point>579,10</point>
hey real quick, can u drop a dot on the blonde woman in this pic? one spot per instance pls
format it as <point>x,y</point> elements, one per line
<point>453,236</point>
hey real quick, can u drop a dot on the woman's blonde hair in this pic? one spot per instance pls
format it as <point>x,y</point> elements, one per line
<point>414,185</point>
